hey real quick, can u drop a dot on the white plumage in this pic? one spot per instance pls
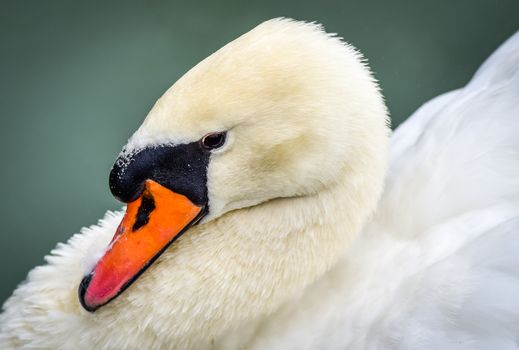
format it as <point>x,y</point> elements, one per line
<point>435,267</point>
<point>438,267</point>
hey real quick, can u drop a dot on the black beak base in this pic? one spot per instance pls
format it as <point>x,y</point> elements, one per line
<point>181,168</point>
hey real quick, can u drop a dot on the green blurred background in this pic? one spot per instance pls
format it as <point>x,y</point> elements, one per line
<point>77,77</point>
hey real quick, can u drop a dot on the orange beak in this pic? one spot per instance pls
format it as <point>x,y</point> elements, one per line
<point>151,223</point>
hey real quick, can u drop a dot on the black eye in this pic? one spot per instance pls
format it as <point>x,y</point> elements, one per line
<point>213,140</point>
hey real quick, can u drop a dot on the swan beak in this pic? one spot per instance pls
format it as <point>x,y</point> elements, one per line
<point>151,223</point>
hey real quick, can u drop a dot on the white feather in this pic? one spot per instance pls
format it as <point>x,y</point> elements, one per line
<point>436,266</point>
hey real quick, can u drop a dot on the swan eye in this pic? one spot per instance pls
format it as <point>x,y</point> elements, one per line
<point>213,140</point>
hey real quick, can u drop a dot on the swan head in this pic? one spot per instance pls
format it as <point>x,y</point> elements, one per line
<point>267,157</point>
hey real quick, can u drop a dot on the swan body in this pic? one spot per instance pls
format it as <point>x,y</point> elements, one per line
<point>298,249</point>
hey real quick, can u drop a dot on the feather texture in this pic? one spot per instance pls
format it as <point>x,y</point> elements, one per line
<point>283,267</point>
<point>438,266</point>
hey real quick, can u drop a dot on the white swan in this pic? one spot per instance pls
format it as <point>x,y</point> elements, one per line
<point>290,254</point>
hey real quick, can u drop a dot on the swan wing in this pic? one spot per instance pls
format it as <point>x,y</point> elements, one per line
<point>438,266</point>
<point>452,204</point>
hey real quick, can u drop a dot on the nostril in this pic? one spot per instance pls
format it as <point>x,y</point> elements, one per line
<point>145,209</point>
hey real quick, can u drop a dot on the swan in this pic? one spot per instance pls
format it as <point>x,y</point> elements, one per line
<point>296,220</point>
